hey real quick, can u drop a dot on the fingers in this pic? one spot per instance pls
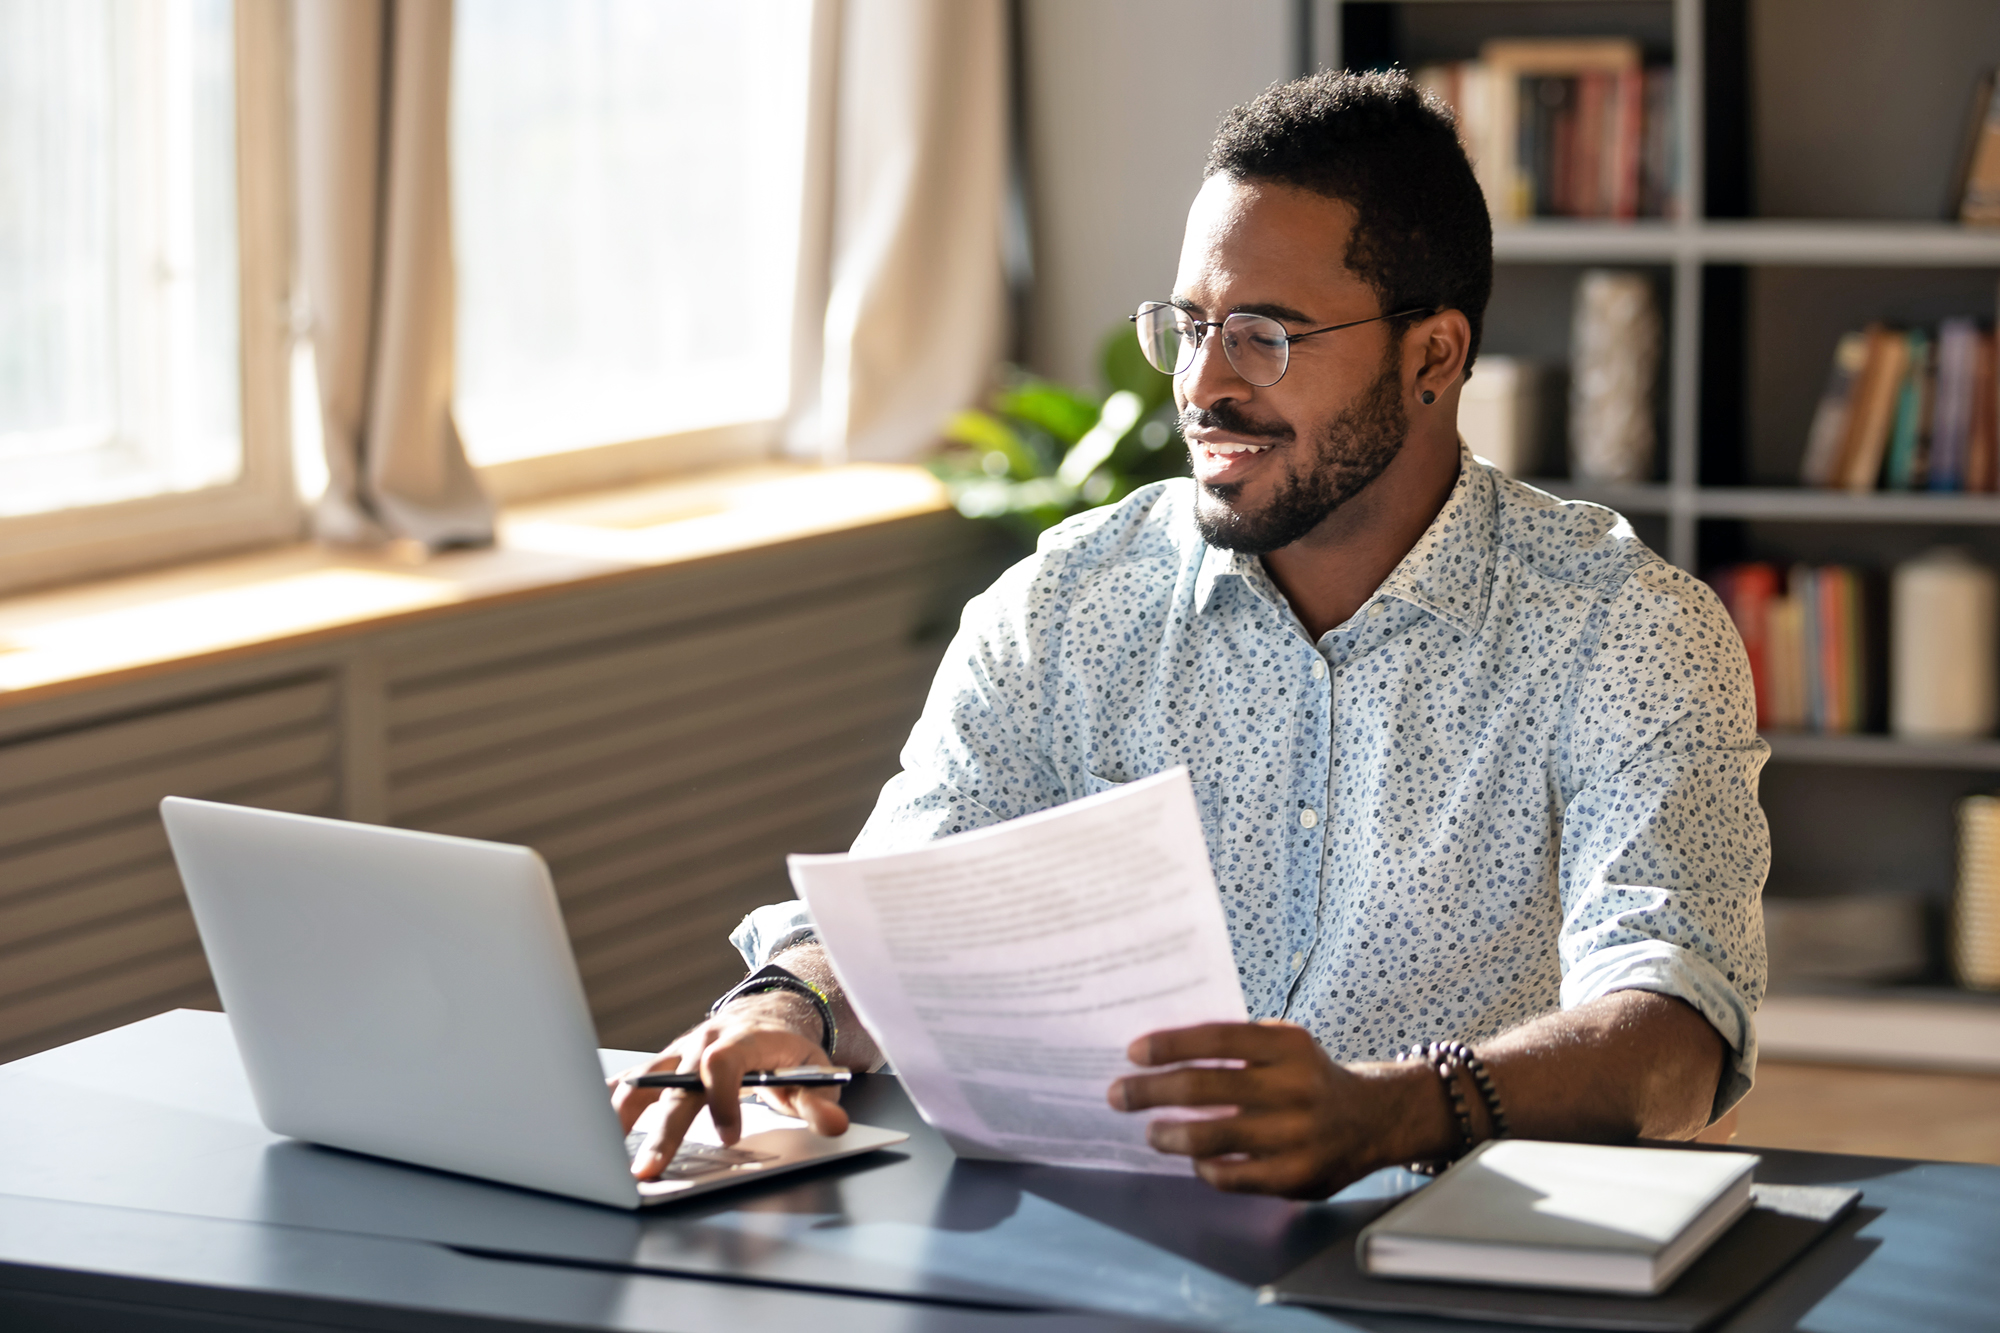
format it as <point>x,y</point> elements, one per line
<point>664,1139</point>
<point>722,1069</point>
<point>629,1101</point>
<point>1187,1087</point>
<point>1257,1043</point>
<point>1257,1135</point>
<point>721,1050</point>
<point>1292,1175</point>
<point>820,1108</point>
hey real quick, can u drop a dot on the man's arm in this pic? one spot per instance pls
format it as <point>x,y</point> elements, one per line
<point>1623,1066</point>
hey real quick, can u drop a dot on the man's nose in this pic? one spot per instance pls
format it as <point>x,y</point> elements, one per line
<point>1211,378</point>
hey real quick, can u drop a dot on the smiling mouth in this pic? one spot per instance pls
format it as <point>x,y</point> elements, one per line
<point>1226,450</point>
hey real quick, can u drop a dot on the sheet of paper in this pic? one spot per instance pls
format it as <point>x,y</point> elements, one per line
<point>1004,971</point>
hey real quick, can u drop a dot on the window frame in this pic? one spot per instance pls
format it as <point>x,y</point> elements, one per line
<point>262,506</point>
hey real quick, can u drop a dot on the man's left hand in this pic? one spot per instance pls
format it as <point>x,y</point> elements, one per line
<point>1303,1126</point>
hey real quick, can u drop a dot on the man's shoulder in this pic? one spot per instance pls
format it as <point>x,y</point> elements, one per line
<point>1591,552</point>
<point>1572,542</point>
<point>1154,523</point>
<point>1139,538</point>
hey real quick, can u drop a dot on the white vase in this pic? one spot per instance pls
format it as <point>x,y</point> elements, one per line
<point>1942,639</point>
<point>1614,367</point>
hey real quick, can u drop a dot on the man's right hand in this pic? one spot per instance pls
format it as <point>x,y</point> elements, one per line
<point>754,1032</point>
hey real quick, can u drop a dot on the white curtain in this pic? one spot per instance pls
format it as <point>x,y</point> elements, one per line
<point>900,314</point>
<point>374,79</point>
<point>902,296</point>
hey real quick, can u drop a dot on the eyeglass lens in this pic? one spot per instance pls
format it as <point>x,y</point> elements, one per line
<point>1256,346</point>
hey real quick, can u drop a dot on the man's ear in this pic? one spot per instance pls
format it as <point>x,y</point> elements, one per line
<point>1434,354</point>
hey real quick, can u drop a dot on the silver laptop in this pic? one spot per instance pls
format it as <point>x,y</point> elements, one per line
<point>414,996</point>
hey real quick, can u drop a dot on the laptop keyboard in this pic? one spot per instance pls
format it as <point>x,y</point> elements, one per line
<point>695,1160</point>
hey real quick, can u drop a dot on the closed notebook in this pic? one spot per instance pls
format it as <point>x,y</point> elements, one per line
<point>1570,1216</point>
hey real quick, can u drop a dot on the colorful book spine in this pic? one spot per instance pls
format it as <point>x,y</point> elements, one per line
<point>1906,432</point>
<point>1565,127</point>
<point>1804,632</point>
<point>1908,410</point>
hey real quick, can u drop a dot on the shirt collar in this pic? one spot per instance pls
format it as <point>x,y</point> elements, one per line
<point>1449,572</point>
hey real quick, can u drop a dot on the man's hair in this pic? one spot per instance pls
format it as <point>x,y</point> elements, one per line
<point>1390,151</point>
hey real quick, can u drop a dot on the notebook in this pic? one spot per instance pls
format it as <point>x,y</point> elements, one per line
<point>1572,1216</point>
<point>1783,1224</point>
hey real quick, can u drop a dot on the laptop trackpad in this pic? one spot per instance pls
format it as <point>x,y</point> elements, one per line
<point>771,1142</point>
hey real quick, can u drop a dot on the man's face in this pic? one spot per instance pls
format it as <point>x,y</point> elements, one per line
<point>1271,463</point>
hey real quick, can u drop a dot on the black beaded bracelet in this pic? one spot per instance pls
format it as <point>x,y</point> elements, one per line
<point>771,977</point>
<point>1445,1064</point>
<point>1482,1080</point>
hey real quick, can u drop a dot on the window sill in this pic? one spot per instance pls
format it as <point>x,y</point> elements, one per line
<point>110,631</point>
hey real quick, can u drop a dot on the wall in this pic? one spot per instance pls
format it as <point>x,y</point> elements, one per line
<point>1122,98</point>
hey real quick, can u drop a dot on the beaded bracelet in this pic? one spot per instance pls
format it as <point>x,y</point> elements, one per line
<point>1482,1080</point>
<point>1445,1064</point>
<point>1447,1058</point>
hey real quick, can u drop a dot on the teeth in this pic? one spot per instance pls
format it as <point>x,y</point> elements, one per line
<point>1236,448</point>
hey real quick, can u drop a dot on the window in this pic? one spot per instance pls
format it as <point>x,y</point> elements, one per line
<point>627,188</point>
<point>126,423</point>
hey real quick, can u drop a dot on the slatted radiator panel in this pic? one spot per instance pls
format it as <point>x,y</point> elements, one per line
<point>663,740</point>
<point>94,929</point>
<point>664,750</point>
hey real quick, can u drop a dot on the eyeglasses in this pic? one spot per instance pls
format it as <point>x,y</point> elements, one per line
<point>1256,345</point>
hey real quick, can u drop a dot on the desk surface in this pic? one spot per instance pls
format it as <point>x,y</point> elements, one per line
<point>136,1158</point>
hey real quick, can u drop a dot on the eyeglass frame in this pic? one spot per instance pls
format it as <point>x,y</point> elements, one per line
<point>1290,338</point>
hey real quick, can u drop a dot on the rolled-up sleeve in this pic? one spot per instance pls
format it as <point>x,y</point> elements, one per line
<point>1664,846</point>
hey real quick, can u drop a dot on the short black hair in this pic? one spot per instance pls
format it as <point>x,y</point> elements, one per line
<point>1389,150</point>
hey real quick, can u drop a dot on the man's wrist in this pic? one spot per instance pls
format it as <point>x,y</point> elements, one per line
<point>788,1009</point>
<point>1417,1120</point>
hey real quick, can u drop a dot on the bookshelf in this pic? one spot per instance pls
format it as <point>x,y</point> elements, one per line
<point>1816,138</point>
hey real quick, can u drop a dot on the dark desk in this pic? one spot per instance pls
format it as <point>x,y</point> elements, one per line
<point>135,1177</point>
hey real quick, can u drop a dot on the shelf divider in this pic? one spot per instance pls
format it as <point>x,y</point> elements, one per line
<point>1875,751</point>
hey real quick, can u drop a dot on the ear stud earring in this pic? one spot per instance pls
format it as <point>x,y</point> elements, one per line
<point>1428,397</point>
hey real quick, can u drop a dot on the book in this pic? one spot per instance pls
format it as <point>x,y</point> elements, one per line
<point>1979,182</point>
<point>1785,657</point>
<point>1874,400</point>
<point>1569,1216</point>
<point>1563,127</point>
<point>1519,166</point>
<point>1803,583</point>
<point>1781,1228</point>
<point>1968,145</point>
<point>1906,434</point>
<point>1660,171</point>
<point>1747,592</point>
<point>1829,424</point>
<point>1982,437</point>
<point>1627,135</point>
<point>1951,422</point>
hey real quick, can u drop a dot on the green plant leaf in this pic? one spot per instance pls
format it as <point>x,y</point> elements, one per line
<point>1120,414</point>
<point>986,433</point>
<point>1063,413</point>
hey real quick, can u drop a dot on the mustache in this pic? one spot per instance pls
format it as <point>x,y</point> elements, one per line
<point>1227,417</point>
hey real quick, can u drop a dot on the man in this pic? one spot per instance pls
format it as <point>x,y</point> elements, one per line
<point>1475,764</point>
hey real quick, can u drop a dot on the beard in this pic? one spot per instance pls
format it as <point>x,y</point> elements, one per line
<point>1352,450</point>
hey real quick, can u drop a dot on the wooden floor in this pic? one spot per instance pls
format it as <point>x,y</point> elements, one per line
<point>1889,1113</point>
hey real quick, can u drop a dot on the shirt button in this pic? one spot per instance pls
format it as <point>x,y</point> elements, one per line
<point>1308,817</point>
<point>1375,608</point>
<point>1298,960</point>
<point>1319,668</point>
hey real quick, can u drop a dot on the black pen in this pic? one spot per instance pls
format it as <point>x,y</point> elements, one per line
<point>803,1076</point>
